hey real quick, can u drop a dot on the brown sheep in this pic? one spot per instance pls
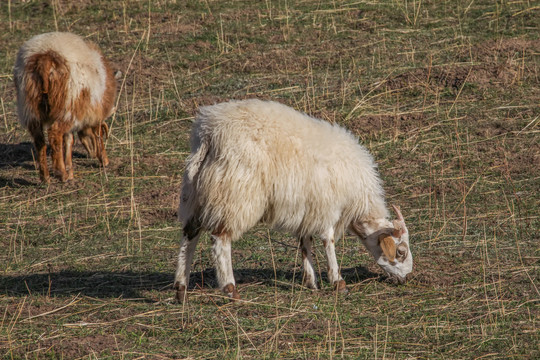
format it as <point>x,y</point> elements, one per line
<point>64,85</point>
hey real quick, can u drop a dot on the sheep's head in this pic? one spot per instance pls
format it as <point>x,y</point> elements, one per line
<point>92,140</point>
<point>389,245</point>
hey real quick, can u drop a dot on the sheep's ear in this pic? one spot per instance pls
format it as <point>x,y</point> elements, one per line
<point>388,246</point>
<point>399,229</point>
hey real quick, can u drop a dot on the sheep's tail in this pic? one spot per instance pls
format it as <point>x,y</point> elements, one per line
<point>188,207</point>
<point>45,85</point>
<point>196,159</point>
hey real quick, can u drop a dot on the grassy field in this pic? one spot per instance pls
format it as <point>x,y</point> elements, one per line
<point>445,94</point>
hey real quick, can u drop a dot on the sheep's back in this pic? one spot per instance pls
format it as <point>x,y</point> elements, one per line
<point>269,162</point>
<point>87,81</point>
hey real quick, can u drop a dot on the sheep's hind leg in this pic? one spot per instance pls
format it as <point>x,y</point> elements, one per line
<point>310,279</point>
<point>221,250</point>
<point>189,242</point>
<point>333,269</point>
<point>56,141</point>
<point>41,148</point>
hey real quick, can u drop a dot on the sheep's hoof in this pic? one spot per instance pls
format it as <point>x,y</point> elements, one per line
<point>62,176</point>
<point>341,287</point>
<point>231,292</point>
<point>181,293</point>
<point>44,176</point>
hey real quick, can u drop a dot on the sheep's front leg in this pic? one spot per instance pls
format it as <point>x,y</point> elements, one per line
<point>68,154</point>
<point>221,250</point>
<point>333,269</point>
<point>310,279</point>
<point>189,242</point>
<point>101,132</point>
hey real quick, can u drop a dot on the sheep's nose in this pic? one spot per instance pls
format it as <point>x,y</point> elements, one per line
<point>402,280</point>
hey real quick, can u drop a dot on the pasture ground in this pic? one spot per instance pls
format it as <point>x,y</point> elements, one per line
<point>445,94</point>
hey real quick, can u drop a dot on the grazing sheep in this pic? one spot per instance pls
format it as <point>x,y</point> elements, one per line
<point>257,161</point>
<point>65,85</point>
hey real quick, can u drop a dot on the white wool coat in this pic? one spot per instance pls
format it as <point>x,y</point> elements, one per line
<point>254,161</point>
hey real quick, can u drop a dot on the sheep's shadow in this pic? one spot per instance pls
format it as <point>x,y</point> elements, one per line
<point>99,284</point>
<point>130,284</point>
<point>287,279</point>
<point>22,156</point>
<point>17,155</point>
<point>15,182</point>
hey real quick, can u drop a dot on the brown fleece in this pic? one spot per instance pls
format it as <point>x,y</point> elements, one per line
<point>45,88</point>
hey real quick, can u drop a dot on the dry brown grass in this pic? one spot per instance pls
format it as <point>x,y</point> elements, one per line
<point>445,95</point>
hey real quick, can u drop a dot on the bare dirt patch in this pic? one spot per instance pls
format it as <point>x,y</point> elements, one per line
<point>440,270</point>
<point>374,124</point>
<point>157,205</point>
<point>518,162</point>
<point>454,77</point>
<point>142,67</point>
<point>502,49</point>
<point>77,347</point>
<point>160,205</point>
<point>500,64</point>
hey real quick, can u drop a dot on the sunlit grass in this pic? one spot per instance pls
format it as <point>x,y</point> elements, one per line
<point>444,94</point>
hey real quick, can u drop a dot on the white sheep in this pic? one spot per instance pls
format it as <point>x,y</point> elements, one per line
<point>258,161</point>
<point>65,85</point>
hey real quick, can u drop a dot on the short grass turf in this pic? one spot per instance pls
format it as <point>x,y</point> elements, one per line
<point>445,94</point>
